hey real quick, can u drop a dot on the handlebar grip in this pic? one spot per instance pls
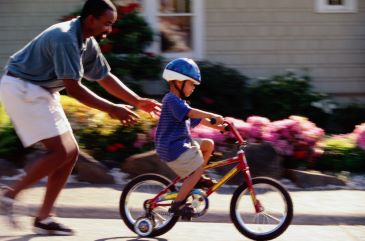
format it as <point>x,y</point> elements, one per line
<point>213,121</point>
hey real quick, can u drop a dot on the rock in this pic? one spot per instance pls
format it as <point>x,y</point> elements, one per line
<point>261,158</point>
<point>7,168</point>
<point>88,169</point>
<point>264,161</point>
<point>148,162</point>
<point>306,179</point>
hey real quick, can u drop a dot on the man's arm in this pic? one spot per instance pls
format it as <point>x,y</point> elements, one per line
<point>78,91</point>
<point>114,86</point>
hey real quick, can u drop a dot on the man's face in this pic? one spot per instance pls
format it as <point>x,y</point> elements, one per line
<point>101,26</point>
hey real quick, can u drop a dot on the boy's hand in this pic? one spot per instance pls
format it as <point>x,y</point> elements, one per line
<point>217,120</point>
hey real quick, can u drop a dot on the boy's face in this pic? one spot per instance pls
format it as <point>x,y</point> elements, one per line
<point>189,87</point>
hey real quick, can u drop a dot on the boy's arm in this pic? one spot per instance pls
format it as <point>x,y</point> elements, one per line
<point>206,116</point>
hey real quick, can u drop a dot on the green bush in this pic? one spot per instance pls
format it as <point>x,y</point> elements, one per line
<point>104,138</point>
<point>284,95</point>
<point>10,146</point>
<point>222,90</point>
<point>341,154</point>
<point>346,117</point>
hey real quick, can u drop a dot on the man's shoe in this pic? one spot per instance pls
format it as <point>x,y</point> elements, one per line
<point>205,182</point>
<point>49,227</point>
<point>7,207</point>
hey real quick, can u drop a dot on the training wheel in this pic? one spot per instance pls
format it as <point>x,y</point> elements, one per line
<point>143,226</point>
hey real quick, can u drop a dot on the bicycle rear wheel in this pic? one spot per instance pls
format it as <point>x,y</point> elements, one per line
<point>133,199</point>
<point>276,213</point>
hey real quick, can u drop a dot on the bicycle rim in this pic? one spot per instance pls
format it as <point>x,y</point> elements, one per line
<point>272,220</point>
<point>134,203</point>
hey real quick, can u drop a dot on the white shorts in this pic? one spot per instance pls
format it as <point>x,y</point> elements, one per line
<point>35,113</point>
<point>188,161</point>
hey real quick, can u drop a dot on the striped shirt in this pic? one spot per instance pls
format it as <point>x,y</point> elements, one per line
<point>173,135</point>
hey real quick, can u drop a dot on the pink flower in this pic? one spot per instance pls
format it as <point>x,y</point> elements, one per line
<point>359,134</point>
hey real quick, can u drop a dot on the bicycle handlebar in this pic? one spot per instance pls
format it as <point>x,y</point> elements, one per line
<point>228,126</point>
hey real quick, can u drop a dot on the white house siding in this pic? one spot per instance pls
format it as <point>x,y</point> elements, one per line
<point>22,20</point>
<point>261,38</point>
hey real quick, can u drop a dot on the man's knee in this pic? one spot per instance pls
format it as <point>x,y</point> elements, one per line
<point>64,147</point>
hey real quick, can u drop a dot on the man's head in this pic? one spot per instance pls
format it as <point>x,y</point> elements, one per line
<point>97,18</point>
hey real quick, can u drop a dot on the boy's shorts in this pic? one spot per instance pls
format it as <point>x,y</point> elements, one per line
<point>188,161</point>
<point>35,113</point>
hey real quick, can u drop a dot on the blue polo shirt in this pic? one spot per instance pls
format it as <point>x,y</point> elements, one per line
<point>173,135</point>
<point>59,53</point>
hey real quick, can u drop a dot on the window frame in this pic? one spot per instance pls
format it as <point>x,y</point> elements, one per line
<point>152,14</point>
<point>349,6</point>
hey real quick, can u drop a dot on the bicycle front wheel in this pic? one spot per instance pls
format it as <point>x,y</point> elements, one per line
<point>133,200</point>
<point>276,209</point>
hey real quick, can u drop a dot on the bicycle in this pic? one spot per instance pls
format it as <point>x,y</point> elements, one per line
<point>261,208</point>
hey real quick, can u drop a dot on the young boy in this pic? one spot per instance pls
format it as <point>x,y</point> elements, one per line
<point>184,155</point>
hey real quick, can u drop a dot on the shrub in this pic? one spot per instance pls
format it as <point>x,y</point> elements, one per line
<point>104,138</point>
<point>10,146</point>
<point>341,154</point>
<point>222,90</point>
<point>344,118</point>
<point>284,95</point>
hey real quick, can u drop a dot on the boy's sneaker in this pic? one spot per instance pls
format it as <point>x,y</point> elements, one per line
<point>205,182</point>
<point>7,207</point>
<point>180,209</point>
<point>49,227</point>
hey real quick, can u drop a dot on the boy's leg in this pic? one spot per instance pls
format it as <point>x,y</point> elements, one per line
<point>207,148</point>
<point>188,184</point>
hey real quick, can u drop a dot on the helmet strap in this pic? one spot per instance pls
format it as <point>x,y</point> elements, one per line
<point>181,90</point>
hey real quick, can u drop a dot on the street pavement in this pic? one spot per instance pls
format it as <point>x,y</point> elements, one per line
<point>92,210</point>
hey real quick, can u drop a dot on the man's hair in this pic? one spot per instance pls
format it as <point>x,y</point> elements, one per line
<point>96,8</point>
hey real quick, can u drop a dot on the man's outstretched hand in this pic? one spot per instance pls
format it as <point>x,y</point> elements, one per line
<point>150,106</point>
<point>124,114</point>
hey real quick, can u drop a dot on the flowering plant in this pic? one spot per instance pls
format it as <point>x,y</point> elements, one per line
<point>359,135</point>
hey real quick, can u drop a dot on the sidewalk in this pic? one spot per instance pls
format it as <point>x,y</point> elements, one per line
<point>324,207</point>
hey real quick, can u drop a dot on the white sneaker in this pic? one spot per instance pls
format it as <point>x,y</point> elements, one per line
<point>7,207</point>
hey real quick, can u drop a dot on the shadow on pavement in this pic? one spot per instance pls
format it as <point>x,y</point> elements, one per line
<point>131,239</point>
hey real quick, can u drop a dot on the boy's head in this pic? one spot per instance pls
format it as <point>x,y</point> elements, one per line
<point>183,74</point>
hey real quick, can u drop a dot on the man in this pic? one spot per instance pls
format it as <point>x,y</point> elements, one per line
<point>56,59</point>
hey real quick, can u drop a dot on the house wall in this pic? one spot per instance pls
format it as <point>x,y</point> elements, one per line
<point>22,20</point>
<point>261,38</point>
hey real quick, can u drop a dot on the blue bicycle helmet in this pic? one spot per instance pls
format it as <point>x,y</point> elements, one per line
<point>182,69</point>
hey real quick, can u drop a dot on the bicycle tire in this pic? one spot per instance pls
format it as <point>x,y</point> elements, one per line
<point>126,213</point>
<point>266,190</point>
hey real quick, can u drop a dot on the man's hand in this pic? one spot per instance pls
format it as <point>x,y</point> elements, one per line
<point>149,105</point>
<point>124,114</point>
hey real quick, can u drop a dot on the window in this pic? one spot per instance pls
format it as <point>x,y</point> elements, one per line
<point>336,6</point>
<point>179,27</point>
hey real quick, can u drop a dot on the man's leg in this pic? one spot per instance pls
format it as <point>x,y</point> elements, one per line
<point>58,178</point>
<point>61,151</point>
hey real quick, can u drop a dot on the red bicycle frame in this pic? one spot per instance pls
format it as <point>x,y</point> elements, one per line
<point>242,165</point>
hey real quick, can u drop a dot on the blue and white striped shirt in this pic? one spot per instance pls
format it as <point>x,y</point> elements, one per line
<point>173,135</point>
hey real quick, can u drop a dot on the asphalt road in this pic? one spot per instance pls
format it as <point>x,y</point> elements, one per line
<point>115,230</point>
